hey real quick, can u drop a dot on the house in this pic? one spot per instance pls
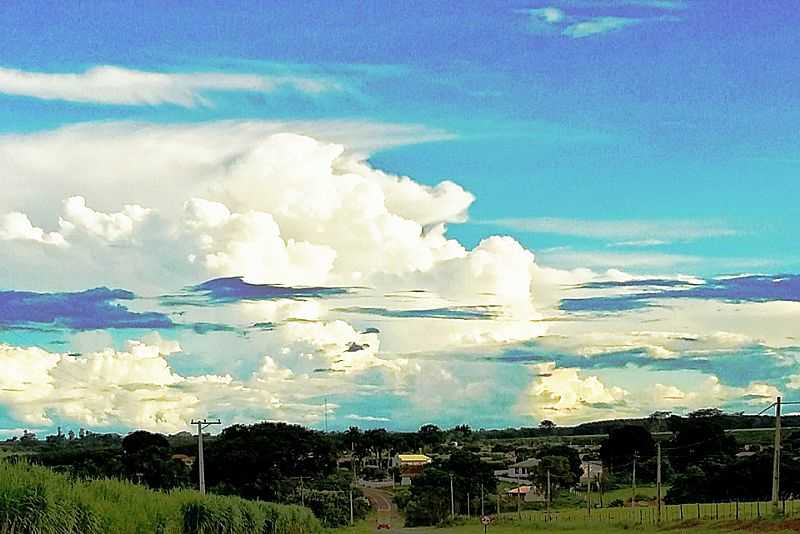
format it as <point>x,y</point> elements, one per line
<point>519,471</point>
<point>187,460</point>
<point>591,468</point>
<point>527,493</point>
<point>410,466</point>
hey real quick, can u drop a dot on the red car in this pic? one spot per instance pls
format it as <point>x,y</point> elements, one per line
<point>384,525</point>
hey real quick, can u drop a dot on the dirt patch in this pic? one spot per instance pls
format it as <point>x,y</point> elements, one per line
<point>788,525</point>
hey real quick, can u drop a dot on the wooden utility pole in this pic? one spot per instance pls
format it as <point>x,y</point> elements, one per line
<point>776,458</point>
<point>202,424</point>
<point>483,512</point>
<point>658,480</point>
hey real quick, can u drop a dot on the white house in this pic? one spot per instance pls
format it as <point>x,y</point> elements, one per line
<point>518,472</point>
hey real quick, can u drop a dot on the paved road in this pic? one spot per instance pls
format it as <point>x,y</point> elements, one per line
<point>381,500</point>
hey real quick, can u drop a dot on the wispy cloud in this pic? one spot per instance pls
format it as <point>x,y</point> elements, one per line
<point>370,418</point>
<point>566,257</point>
<point>554,19</point>
<point>667,5</point>
<point>629,232</point>
<point>639,243</point>
<point>116,85</point>
<point>598,25</point>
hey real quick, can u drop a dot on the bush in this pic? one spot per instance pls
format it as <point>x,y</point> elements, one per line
<point>333,507</point>
<point>616,503</point>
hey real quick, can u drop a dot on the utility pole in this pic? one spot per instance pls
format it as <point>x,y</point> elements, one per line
<point>326,415</point>
<point>483,510</point>
<point>452,499</point>
<point>302,493</point>
<point>548,494</point>
<point>468,510</point>
<point>588,488</point>
<point>658,480</point>
<point>201,467</point>
<point>351,506</point>
<point>776,459</point>
<point>633,480</point>
<point>519,490</point>
<point>598,479</point>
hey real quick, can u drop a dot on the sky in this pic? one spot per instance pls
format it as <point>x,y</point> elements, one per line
<point>489,213</point>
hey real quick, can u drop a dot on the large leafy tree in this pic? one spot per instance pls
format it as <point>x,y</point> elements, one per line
<point>146,458</point>
<point>561,474</point>
<point>430,435</point>
<point>268,460</point>
<point>699,440</point>
<point>567,452</point>
<point>625,442</point>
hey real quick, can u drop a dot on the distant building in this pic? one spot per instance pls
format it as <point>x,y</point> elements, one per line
<point>410,466</point>
<point>187,460</point>
<point>591,468</point>
<point>527,493</point>
<point>519,471</point>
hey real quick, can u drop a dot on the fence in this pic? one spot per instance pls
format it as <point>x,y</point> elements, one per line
<point>669,513</point>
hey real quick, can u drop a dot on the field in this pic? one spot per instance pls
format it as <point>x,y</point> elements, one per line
<point>674,513</point>
<point>35,500</point>
<point>522,527</point>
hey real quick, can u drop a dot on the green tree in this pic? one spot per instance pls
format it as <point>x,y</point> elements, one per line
<point>567,452</point>
<point>547,426</point>
<point>430,435</point>
<point>146,458</point>
<point>625,442</point>
<point>267,460</point>
<point>561,475</point>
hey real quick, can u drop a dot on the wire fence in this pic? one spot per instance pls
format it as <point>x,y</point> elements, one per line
<point>724,511</point>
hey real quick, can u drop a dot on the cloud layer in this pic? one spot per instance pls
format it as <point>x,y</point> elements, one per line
<point>116,85</point>
<point>327,277</point>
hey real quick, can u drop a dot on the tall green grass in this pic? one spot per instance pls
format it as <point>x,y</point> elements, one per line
<point>35,500</point>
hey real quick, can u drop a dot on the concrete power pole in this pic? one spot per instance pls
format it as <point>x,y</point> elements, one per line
<point>548,494</point>
<point>326,415</point>
<point>633,480</point>
<point>658,480</point>
<point>776,459</point>
<point>452,500</point>
<point>588,488</point>
<point>201,467</point>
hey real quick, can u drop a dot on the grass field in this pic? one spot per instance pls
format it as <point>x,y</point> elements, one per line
<point>36,500</point>
<point>521,527</point>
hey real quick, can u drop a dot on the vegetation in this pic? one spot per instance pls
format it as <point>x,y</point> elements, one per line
<point>34,499</point>
<point>427,504</point>
<point>701,462</point>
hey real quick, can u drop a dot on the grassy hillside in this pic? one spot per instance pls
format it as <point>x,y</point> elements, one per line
<point>36,500</point>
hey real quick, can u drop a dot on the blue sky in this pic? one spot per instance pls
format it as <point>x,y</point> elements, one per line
<point>615,140</point>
